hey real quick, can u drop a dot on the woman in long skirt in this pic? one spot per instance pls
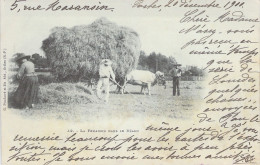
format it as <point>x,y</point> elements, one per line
<point>27,91</point>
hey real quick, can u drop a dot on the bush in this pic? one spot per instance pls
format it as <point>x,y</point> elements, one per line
<point>75,53</point>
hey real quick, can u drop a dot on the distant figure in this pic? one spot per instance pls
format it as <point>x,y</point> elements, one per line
<point>176,74</point>
<point>27,91</point>
<point>161,78</point>
<point>105,71</point>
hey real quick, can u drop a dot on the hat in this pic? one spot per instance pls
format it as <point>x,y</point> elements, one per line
<point>20,56</point>
<point>106,62</point>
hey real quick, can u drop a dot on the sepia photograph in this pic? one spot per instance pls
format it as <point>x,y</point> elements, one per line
<point>146,82</point>
<point>101,70</point>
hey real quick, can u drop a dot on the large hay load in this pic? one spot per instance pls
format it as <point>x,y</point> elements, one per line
<point>75,53</point>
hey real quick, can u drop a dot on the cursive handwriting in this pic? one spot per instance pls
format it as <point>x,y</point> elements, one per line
<point>21,5</point>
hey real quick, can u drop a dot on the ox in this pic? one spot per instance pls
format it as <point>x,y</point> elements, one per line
<point>144,78</point>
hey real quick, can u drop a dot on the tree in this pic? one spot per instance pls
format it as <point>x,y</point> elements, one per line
<point>36,56</point>
<point>39,61</point>
<point>156,62</point>
<point>142,64</point>
<point>75,53</point>
<point>194,71</point>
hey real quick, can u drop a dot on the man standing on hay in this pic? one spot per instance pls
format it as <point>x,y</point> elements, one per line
<point>105,71</point>
<point>176,74</point>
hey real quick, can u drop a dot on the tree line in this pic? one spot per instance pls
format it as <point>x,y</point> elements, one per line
<point>152,62</point>
<point>159,62</point>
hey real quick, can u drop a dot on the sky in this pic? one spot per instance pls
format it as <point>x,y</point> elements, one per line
<point>158,31</point>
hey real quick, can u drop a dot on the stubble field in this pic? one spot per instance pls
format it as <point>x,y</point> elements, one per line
<point>132,104</point>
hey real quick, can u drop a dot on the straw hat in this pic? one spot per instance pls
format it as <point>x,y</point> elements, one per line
<point>21,56</point>
<point>106,62</point>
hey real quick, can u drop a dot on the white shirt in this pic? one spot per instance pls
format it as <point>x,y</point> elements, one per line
<point>106,71</point>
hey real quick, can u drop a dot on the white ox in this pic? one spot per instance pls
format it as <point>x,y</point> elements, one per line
<point>144,78</point>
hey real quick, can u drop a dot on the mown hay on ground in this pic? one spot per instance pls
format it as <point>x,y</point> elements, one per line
<point>66,93</point>
<point>62,93</point>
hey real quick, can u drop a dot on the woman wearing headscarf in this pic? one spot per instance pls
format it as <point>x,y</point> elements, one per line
<point>27,91</point>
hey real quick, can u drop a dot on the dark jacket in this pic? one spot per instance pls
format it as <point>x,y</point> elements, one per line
<point>175,72</point>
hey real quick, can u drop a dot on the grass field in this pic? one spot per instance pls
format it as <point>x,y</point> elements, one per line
<point>160,104</point>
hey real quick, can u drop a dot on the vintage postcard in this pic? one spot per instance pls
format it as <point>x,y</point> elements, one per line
<point>149,82</point>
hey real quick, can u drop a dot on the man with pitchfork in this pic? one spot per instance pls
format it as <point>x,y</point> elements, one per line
<point>105,72</point>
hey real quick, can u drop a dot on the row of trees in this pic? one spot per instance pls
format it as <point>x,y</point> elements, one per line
<point>155,62</point>
<point>152,62</point>
<point>158,62</point>
<point>194,71</point>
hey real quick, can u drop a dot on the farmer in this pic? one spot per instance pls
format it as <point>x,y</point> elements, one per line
<point>105,71</point>
<point>176,74</point>
<point>27,91</point>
